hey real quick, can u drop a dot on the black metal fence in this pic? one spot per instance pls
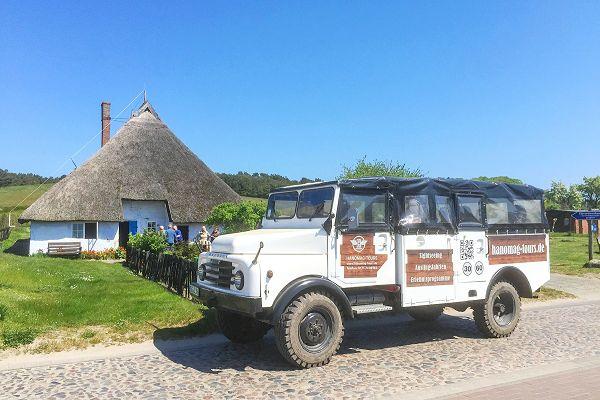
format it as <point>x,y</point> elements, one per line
<point>173,272</point>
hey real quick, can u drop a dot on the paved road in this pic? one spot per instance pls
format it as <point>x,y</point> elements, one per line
<point>380,357</point>
<point>580,384</point>
<point>583,288</point>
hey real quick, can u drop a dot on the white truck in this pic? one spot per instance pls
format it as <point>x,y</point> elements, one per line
<point>327,252</point>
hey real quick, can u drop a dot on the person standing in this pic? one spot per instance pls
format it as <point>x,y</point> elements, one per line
<point>204,243</point>
<point>178,234</point>
<point>215,233</point>
<point>170,232</point>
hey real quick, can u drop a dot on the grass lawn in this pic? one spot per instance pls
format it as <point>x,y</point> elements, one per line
<point>569,253</point>
<point>10,196</point>
<point>547,293</point>
<point>59,303</point>
<point>259,199</point>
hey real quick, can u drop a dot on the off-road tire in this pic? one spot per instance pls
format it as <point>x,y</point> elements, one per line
<point>484,312</point>
<point>297,314</point>
<point>240,328</point>
<point>425,314</point>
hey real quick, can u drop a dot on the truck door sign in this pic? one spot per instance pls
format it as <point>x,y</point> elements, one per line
<point>360,256</point>
<point>429,267</point>
<point>517,249</point>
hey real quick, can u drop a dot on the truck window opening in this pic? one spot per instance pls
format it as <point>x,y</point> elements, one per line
<point>370,207</point>
<point>315,203</point>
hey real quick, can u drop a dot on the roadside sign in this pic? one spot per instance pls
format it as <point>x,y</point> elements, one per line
<point>589,215</point>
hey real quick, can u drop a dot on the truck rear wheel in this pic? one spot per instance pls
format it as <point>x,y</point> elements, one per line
<point>240,328</point>
<point>499,315</point>
<point>310,330</point>
<point>426,314</point>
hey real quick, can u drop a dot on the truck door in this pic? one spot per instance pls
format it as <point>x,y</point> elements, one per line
<point>470,244</point>
<point>363,240</point>
<point>426,270</point>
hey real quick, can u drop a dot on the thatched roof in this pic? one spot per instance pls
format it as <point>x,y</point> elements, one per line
<point>143,161</point>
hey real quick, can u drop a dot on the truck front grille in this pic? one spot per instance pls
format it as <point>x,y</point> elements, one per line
<point>219,272</point>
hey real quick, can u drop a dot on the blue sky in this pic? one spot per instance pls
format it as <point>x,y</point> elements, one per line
<point>457,89</point>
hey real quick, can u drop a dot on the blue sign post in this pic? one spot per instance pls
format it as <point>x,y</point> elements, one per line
<point>589,216</point>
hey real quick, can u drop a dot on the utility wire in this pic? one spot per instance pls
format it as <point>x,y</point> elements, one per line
<point>77,152</point>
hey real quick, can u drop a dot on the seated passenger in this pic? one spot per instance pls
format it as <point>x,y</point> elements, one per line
<point>415,213</point>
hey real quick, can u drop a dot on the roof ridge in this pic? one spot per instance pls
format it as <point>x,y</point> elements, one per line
<point>145,107</point>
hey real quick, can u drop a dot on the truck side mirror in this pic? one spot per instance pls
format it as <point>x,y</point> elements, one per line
<point>353,219</point>
<point>328,224</point>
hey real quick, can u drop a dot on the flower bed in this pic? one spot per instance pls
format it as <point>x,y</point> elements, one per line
<point>108,254</point>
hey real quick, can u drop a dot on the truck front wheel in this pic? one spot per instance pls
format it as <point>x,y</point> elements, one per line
<point>498,316</point>
<point>310,330</point>
<point>239,328</point>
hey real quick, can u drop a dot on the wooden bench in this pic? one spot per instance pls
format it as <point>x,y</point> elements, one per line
<point>64,248</point>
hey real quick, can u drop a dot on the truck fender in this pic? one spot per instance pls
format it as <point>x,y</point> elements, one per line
<point>306,284</point>
<point>516,277</point>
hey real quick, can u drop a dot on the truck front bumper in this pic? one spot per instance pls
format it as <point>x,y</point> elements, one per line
<point>251,306</point>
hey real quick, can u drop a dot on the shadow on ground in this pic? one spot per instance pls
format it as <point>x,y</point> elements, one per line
<point>361,335</point>
<point>19,248</point>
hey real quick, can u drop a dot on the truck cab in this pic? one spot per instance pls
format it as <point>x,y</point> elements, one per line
<point>331,251</point>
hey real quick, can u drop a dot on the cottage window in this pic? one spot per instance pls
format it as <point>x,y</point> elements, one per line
<point>77,231</point>
<point>152,226</point>
<point>91,230</point>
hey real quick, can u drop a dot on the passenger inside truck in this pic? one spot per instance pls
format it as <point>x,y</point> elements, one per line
<point>416,209</point>
<point>369,208</point>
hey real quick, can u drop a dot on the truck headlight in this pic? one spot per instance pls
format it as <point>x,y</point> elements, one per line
<point>238,280</point>
<point>201,272</point>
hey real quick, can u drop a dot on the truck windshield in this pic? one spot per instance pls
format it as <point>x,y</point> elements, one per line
<point>282,205</point>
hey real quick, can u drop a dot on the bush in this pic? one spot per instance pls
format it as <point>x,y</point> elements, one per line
<point>148,241</point>
<point>17,337</point>
<point>121,253</point>
<point>188,251</point>
<point>237,217</point>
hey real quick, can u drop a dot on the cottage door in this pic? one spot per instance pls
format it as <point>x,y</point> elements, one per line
<point>133,227</point>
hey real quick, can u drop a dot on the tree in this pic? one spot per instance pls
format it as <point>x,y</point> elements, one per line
<point>364,168</point>
<point>258,184</point>
<point>237,217</point>
<point>502,178</point>
<point>561,197</point>
<point>17,178</point>
<point>590,190</point>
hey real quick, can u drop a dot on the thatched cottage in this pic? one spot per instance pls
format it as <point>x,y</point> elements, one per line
<point>140,179</point>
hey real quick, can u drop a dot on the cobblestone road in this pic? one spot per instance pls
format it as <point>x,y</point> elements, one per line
<point>379,357</point>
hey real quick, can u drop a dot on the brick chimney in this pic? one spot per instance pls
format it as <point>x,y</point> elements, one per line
<point>105,115</point>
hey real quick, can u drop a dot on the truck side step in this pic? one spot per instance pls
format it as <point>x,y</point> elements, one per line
<point>370,308</point>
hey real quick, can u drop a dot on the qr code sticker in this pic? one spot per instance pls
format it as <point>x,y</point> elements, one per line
<point>466,250</point>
